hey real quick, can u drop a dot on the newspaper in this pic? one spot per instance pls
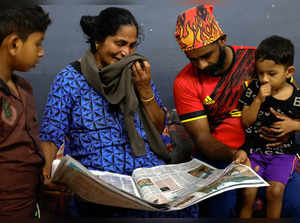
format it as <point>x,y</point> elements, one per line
<point>160,188</point>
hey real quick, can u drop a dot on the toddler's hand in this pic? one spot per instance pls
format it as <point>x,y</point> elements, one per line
<point>264,91</point>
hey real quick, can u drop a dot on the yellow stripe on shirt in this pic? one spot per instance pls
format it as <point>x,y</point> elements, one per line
<point>192,119</point>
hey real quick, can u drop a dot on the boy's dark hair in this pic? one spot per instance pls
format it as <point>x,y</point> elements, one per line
<point>107,23</point>
<point>276,48</point>
<point>23,21</point>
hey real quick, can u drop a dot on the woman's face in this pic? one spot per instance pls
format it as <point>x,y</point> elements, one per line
<point>114,48</point>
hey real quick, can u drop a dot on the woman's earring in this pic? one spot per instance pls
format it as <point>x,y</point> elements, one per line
<point>97,46</point>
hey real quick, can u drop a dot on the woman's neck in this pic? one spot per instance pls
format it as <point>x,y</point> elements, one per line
<point>98,60</point>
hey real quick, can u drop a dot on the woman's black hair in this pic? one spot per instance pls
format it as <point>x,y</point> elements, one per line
<point>107,23</point>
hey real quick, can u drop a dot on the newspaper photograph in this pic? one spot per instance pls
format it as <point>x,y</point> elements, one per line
<point>122,182</point>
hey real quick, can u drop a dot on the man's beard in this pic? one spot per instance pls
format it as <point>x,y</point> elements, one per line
<point>215,69</point>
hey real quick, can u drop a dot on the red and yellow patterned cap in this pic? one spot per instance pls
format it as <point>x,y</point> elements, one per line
<point>197,27</point>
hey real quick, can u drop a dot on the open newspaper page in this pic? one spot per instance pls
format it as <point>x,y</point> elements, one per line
<point>185,184</point>
<point>123,182</point>
<point>160,188</point>
<point>100,187</point>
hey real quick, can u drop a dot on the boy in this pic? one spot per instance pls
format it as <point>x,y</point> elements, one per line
<point>21,34</point>
<point>262,102</point>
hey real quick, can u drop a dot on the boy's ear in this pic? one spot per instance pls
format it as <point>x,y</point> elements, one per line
<point>13,43</point>
<point>290,71</point>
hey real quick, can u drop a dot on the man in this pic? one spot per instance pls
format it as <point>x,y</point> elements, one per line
<point>206,95</point>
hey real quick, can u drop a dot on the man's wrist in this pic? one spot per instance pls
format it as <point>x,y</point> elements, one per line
<point>296,125</point>
<point>233,154</point>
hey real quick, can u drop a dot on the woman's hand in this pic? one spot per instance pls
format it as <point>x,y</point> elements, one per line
<point>142,79</point>
<point>50,151</point>
<point>48,185</point>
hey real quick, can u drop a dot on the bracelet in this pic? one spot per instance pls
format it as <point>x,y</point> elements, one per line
<point>148,100</point>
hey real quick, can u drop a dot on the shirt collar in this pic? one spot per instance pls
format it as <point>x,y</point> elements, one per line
<point>4,87</point>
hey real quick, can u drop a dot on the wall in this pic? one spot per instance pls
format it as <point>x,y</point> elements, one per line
<point>245,22</point>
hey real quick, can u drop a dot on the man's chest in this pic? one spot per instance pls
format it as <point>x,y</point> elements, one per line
<point>222,95</point>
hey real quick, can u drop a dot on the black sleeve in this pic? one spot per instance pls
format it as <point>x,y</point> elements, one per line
<point>296,104</point>
<point>249,94</point>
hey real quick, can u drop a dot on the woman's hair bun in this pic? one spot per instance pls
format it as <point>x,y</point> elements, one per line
<point>88,24</point>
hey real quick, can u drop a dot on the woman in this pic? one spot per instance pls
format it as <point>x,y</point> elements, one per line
<point>110,121</point>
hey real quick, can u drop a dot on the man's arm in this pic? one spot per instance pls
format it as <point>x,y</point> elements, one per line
<point>285,125</point>
<point>210,147</point>
<point>200,132</point>
<point>279,132</point>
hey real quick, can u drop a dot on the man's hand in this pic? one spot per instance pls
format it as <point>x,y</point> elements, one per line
<point>284,126</point>
<point>241,157</point>
<point>278,132</point>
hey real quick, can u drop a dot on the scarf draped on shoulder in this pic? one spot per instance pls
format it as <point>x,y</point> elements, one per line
<point>115,83</point>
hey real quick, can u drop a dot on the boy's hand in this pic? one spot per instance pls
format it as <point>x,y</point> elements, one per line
<point>264,91</point>
<point>241,157</point>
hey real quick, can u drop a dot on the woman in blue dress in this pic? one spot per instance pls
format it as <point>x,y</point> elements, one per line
<point>107,110</point>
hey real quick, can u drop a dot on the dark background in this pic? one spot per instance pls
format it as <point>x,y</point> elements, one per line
<point>246,22</point>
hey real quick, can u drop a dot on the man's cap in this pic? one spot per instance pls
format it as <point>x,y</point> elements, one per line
<point>197,27</point>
